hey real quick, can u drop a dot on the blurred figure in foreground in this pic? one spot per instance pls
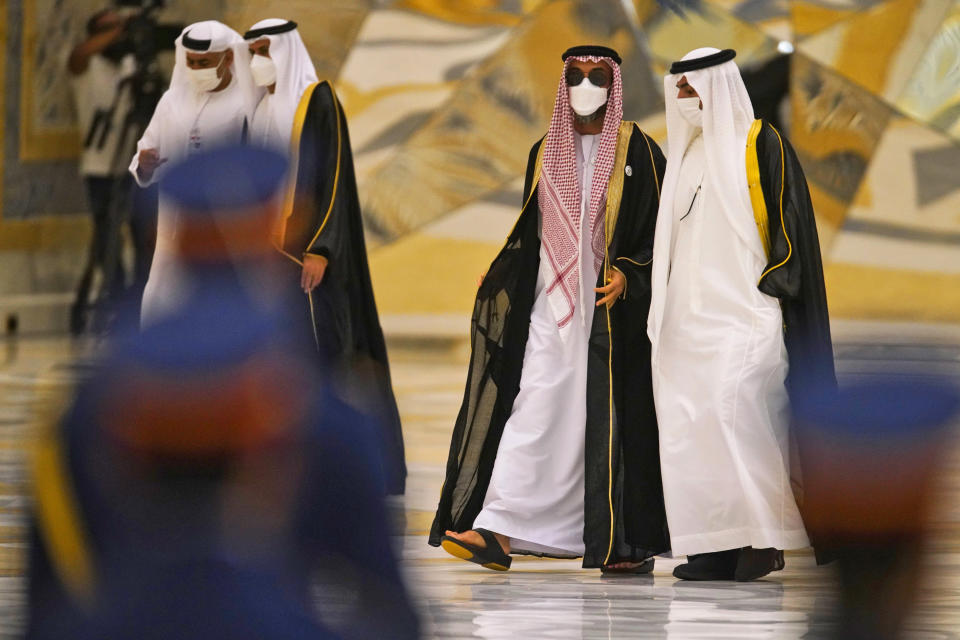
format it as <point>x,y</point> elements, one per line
<point>209,103</point>
<point>871,455</point>
<point>320,231</point>
<point>206,476</point>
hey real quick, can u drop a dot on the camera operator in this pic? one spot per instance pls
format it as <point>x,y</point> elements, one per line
<point>99,67</point>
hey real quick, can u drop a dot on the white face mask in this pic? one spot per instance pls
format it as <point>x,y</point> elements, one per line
<point>264,71</point>
<point>691,111</point>
<point>586,98</point>
<point>204,80</point>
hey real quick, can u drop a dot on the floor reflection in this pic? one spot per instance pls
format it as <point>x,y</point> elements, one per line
<point>537,598</point>
<point>557,599</point>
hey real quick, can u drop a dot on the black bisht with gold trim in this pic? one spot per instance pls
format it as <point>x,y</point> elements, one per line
<point>322,217</point>
<point>794,272</point>
<point>624,518</point>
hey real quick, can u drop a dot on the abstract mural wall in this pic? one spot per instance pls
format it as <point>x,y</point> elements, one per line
<point>445,97</point>
<point>873,108</point>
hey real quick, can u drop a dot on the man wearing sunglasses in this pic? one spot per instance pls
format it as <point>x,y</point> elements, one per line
<point>554,452</point>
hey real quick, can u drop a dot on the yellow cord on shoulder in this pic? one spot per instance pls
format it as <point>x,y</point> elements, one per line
<point>336,173</point>
<point>288,201</point>
<point>755,188</point>
<point>782,222</point>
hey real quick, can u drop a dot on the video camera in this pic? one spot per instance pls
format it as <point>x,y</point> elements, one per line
<point>144,36</point>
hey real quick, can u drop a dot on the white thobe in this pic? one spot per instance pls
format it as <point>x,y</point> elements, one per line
<point>536,491</point>
<point>719,373</point>
<point>264,131</point>
<point>198,122</point>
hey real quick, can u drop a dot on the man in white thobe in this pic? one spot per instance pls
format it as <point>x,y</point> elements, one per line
<point>719,359</point>
<point>209,103</point>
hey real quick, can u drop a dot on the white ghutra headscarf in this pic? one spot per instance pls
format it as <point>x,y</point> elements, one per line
<point>180,107</point>
<point>727,118</point>
<point>220,38</point>
<point>295,70</point>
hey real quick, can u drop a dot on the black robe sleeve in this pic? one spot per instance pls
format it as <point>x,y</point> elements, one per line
<point>634,261</point>
<point>325,220</point>
<point>636,487</point>
<point>794,273</point>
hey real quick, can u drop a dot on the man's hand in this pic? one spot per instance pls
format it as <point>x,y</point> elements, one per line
<point>616,284</point>
<point>148,163</point>
<point>313,269</point>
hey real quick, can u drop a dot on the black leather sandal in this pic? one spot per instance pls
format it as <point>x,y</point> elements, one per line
<point>490,557</point>
<point>644,567</point>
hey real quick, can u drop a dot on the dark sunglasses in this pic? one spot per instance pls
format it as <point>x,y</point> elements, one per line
<point>597,77</point>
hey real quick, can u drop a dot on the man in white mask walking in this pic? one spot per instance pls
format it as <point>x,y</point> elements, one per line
<point>320,231</point>
<point>209,103</point>
<point>555,448</point>
<point>738,301</point>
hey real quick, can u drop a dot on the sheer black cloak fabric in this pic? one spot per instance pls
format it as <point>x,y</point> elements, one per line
<point>624,517</point>
<point>325,220</point>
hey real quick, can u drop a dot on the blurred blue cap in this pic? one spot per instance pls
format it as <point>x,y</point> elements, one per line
<point>203,385</point>
<point>214,330</point>
<point>884,407</point>
<point>226,178</point>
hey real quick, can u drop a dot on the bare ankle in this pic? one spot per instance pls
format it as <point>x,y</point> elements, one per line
<point>504,542</point>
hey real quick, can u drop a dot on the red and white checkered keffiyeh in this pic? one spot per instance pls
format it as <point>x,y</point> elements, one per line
<point>560,194</point>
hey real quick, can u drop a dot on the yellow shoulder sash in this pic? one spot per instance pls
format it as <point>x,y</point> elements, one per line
<point>760,214</point>
<point>298,119</point>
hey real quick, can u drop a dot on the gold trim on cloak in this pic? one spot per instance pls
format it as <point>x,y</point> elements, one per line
<point>783,225</point>
<point>59,518</point>
<point>760,213</point>
<point>615,186</point>
<point>291,194</point>
<point>614,196</point>
<point>336,172</point>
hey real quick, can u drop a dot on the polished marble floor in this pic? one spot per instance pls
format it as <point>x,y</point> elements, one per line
<point>537,598</point>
